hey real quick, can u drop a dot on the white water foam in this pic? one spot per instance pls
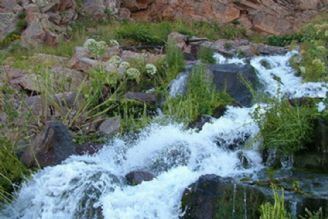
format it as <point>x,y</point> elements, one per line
<point>89,186</point>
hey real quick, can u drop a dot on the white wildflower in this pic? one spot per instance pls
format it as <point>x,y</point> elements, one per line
<point>133,73</point>
<point>123,67</point>
<point>151,69</point>
<point>88,42</point>
<point>116,60</point>
<point>113,43</point>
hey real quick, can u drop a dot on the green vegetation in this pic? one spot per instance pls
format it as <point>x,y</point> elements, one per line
<point>174,60</point>
<point>284,127</point>
<point>312,65</point>
<point>12,171</point>
<point>206,55</point>
<point>276,210</point>
<point>201,98</point>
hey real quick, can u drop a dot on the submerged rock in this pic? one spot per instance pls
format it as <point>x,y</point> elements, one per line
<point>216,197</point>
<point>235,79</point>
<point>52,146</point>
<point>137,177</point>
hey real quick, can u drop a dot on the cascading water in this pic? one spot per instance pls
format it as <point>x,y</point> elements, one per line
<point>94,186</point>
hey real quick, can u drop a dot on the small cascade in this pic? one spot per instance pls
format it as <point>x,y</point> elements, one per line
<point>95,187</point>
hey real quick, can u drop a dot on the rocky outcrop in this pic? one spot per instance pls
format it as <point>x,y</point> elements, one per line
<point>101,8</point>
<point>267,16</point>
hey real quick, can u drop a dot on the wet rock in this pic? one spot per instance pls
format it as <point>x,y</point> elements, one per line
<point>243,48</point>
<point>229,78</point>
<point>315,155</point>
<point>212,196</point>
<point>200,122</point>
<point>148,98</point>
<point>52,146</point>
<point>137,177</point>
<point>110,126</point>
<point>88,148</point>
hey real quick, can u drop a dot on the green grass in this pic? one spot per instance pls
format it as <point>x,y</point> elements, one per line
<point>206,55</point>
<point>286,128</point>
<point>276,210</point>
<point>12,171</point>
<point>201,98</point>
<point>174,60</point>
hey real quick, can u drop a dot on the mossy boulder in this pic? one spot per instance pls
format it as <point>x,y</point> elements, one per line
<point>214,197</point>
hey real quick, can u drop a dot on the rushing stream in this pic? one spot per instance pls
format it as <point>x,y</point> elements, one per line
<point>89,186</point>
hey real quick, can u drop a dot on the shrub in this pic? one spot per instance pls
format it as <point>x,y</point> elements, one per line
<point>284,127</point>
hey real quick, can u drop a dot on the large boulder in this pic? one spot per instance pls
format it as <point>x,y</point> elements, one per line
<point>52,146</point>
<point>110,126</point>
<point>234,79</point>
<point>212,197</point>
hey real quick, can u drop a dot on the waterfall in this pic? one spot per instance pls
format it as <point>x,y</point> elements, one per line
<point>95,187</point>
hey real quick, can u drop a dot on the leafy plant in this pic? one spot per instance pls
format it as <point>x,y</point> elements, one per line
<point>175,61</point>
<point>276,210</point>
<point>284,127</point>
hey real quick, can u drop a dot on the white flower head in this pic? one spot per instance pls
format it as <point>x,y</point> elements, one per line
<point>113,43</point>
<point>116,60</point>
<point>151,69</point>
<point>133,73</point>
<point>89,42</point>
<point>123,67</point>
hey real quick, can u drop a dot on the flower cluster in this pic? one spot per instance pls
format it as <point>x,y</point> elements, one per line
<point>151,69</point>
<point>133,74</point>
<point>96,48</point>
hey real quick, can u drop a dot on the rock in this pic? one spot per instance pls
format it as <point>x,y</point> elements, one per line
<point>100,8</point>
<point>148,98</point>
<point>145,56</point>
<point>66,101</point>
<point>67,79</point>
<point>212,196</point>
<point>52,146</point>
<point>243,48</point>
<point>315,155</point>
<point>110,126</point>
<point>7,24</point>
<point>179,39</point>
<point>265,16</point>
<point>229,78</point>
<point>137,177</point>
<point>83,64</point>
<point>49,60</point>
<point>28,82</point>
<point>200,122</point>
<point>136,5</point>
<point>88,148</point>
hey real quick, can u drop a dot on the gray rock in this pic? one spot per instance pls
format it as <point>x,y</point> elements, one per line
<point>142,97</point>
<point>52,146</point>
<point>137,177</point>
<point>216,197</point>
<point>232,77</point>
<point>110,126</point>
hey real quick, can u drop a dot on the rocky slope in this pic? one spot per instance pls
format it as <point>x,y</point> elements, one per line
<point>46,20</point>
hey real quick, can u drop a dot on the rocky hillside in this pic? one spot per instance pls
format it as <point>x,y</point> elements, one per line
<point>45,21</point>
